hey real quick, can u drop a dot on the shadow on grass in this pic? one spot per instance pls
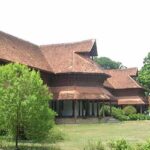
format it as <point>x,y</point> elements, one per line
<point>29,147</point>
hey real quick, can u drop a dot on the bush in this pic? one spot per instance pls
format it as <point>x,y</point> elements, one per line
<point>104,109</point>
<point>128,113</point>
<point>94,146</point>
<point>55,135</point>
<point>116,113</point>
<point>139,117</point>
<point>144,146</point>
<point>119,114</point>
<point>128,110</point>
<point>120,145</point>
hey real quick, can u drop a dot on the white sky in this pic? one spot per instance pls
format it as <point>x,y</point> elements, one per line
<point>121,27</point>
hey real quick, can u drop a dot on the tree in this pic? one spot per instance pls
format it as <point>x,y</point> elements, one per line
<point>24,103</point>
<point>107,63</point>
<point>144,73</point>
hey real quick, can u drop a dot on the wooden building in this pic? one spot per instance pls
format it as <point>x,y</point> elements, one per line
<point>78,84</point>
<point>123,85</point>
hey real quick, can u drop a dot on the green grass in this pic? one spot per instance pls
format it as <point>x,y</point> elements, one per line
<point>77,136</point>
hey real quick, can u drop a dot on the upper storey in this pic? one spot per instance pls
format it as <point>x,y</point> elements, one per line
<point>55,58</point>
<point>72,57</point>
<point>122,79</point>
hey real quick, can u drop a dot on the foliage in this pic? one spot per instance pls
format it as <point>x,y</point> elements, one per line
<point>107,63</point>
<point>4,145</point>
<point>24,102</point>
<point>144,146</point>
<point>94,146</point>
<point>128,110</point>
<point>55,135</point>
<point>139,117</point>
<point>119,114</point>
<point>144,74</point>
<point>116,113</point>
<point>120,145</point>
<point>128,113</point>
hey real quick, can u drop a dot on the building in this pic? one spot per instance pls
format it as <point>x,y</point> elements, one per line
<point>78,84</point>
<point>123,85</point>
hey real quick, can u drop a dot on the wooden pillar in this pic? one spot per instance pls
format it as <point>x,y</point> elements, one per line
<point>110,108</point>
<point>73,108</point>
<point>60,108</point>
<point>82,108</point>
<point>88,108</point>
<point>93,108</point>
<point>79,108</point>
<point>54,102</point>
<point>97,108</point>
<point>141,109</point>
<point>103,113</point>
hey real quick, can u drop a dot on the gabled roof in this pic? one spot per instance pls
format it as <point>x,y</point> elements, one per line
<point>122,78</point>
<point>81,92</point>
<point>17,50</point>
<point>72,57</point>
<point>131,100</point>
<point>56,58</point>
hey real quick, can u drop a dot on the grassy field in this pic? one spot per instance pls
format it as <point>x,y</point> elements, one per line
<point>77,136</point>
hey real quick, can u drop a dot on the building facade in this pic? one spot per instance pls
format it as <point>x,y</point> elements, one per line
<point>79,86</point>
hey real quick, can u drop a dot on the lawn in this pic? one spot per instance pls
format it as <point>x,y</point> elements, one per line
<point>77,136</point>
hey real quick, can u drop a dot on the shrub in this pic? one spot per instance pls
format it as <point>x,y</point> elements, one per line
<point>128,113</point>
<point>144,146</point>
<point>139,117</point>
<point>104,109</point>
<point>119,114</point>
<point>128,110</point>
<point>116,113</point>
<point>120,145</point>
<point>55,135</point>
<point>94,146</point>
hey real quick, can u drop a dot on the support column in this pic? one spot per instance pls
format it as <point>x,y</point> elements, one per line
<point>79,108</point>
<point>72,108</point>
<point>141,109</point>
<point>103,113</point>
<point>82,108</point>
<point>75,111</point>
<point>97,108</point>
<point>93,114</point>
<point>110,108</point>
<point>88,108</point>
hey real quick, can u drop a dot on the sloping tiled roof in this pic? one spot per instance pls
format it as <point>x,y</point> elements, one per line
<point>79,92</point>
<point>131,100</point>
<point>16,50</point>
<point>121,78</point>
<point>71,57</point>
<point>56,58</point>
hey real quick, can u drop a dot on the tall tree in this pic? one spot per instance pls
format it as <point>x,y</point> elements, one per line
<point>24,102</point>
<point>144,73</point>
<point>107,63</point>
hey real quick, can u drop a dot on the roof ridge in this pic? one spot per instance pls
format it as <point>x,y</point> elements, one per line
<point>17,38</point>
<point>68,43</point>
<point>121,69</point>
<point>134,81</point>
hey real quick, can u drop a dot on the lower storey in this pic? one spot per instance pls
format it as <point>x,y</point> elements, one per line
<point>84,108</point>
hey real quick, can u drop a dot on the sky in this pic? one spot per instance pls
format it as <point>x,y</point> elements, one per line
<point>120,27</point>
